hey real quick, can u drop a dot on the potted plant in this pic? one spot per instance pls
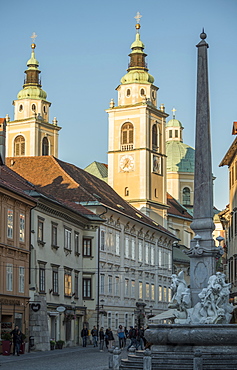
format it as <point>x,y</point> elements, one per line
<point>23,344</point>
<point>6,343</point>
<point>59,344</point>
<point>52,344</point>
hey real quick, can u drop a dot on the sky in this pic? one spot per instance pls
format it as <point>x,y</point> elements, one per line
<point>83,47</point>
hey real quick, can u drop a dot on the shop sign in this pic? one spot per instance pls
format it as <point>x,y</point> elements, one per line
<point>10,302</point>
<point>35,307</point>
<point>6,325</point>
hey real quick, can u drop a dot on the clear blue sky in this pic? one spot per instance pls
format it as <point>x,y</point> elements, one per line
<point>83,48</point>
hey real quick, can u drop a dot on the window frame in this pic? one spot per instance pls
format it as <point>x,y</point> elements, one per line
<point>22,227</point>
<point>67,283</point>
<point>10,223</point>
<point>21,286</point>
<point>87,283</point>
<point>87,249</point>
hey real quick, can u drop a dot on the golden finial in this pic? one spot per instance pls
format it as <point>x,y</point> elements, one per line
<point>33,37</point>
<point>138,17</point>
<point>173,110</point>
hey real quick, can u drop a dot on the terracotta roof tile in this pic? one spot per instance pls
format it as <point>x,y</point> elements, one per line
<point>72,184</point>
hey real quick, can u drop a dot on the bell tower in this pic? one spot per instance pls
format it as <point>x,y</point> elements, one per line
<point>30,133</point>
<point>136,155</point>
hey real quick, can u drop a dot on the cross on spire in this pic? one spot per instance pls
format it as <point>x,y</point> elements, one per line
<point>173,110</point>
<point>33,37</point>
<point>138,17</point>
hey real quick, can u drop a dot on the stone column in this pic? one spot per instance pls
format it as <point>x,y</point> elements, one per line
<point>147,360</point>
<point>203,252</point>
<point>116,358</point>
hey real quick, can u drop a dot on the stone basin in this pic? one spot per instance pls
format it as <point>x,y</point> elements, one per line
<point>194,335</point>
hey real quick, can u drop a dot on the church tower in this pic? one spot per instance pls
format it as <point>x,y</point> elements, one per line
<point>30,133</point>
<point>136,155</point>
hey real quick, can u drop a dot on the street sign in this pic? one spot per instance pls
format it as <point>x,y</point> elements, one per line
<point>60,309</point>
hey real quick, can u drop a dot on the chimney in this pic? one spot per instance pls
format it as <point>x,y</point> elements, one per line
<point>2,140</point>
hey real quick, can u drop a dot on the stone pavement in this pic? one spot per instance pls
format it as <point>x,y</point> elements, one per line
<point>73,358</point>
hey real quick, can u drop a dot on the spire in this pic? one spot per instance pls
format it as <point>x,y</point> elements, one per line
<point>32,84</point>
<point>137,68</point>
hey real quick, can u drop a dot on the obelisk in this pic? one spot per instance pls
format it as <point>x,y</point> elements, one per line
<point>203,252</point>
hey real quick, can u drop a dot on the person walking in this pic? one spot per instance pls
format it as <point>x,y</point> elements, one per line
<point>18,341</point>
<point>132,335</point>
<point>125,335</point>
<point>102,338</point>
<point>139,339</point>
<point>14,334</point>
<point>110,337</point>
<point>121,336</point>
<point>84,335</point>
<point>94,333</point>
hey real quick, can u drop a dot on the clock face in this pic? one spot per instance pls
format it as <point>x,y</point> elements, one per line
<point>126,163</point>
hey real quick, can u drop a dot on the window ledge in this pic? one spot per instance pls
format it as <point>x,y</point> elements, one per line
<point>56,294</point>
<point>67,251</point>
<point>88,257</point>
<point>54,246</point>
<point>77,254</point>
<point>40,242</point>
<point>67,296</point>
<point>88,299</point>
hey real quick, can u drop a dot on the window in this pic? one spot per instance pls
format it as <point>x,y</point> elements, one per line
<point>169,260</point>
<point>102,240</point>
<point>165,293</point>
<point>9,280</point>
<point>127,136</point>
<point>45,146</point>
<point>126,292</point>
<point>40,230</point>
<point>133,288</point>
<point>102,284</point>
<point>160,257</point>
<point>21,279</point>
<point>10,223</point>
<point>87,288</point>
<point>117,244</point>
<point>76,243</point>
<point>170,134</point>
<point>20,108</point>
<point>67,239</point>
<point>160,293</point>
<point>140,250</point>
<point>22,227</point>
<point>176,133</point>
<point>117,286</point>
<point>55,280</point>
<point>154,136</point>
<point>109,319</point>
<point>186,196</point>
<point>67,283</point>
<point>87,247</point>
<point>42,278</point>
<point>147,253</point>
<point>126,247</point>
<point>140,290</point>
<point>116,320</point>
<point>142,92</point>
<point>169,294</point>
<point>110,284</point>
<point>147,290</point>
<point>19,146</point>
<point>126,192</point>
<point>152,256</point>
<point>33,107</point>
<point>153,292</point>
<point>76,284</point>
<point>128,92</point>
<point>133,248</point>
<point>54,234</point>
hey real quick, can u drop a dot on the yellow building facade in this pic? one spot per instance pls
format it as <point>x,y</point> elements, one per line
<point>136,154</point>
<point>30,133</point>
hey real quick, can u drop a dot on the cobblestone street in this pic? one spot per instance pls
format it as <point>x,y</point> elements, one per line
<point>76,358</point>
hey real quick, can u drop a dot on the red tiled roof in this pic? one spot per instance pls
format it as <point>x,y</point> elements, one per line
<point>176,209</point>
<point>72,184</point>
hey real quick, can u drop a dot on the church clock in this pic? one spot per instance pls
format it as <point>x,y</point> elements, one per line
<point>126,163</point>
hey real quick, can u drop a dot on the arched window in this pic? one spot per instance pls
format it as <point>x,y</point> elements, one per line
<point>45,146</point>
<point>154,137</point>
<point>19,146</point>
<point>186,196</point>
<point>126,192</point>
<point>127,136</point>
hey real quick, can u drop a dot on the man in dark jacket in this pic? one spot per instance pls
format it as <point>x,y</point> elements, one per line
<point>133,337</point>
<point>84,335</point>
<point>94,333</point>
<point>14,336</point>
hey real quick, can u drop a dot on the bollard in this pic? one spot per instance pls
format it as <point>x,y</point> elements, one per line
<point>110,350</point>
<point>116,358</point>
<point>147,360</point>
<point>132,350</point>
<point>197,360</point>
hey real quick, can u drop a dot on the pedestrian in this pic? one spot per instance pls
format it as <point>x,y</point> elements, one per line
<point>121,336</point>
<point>126,335</point>
<point>14,334</point>
<point>84,335</point>
<point>132,335</point>
<point>139,339</point>
<point>106,338</point>
<point>110,337</point>
<point>102,338</point>
<point>143,336</point>
<point>94,333</point>
<point>18,342</point>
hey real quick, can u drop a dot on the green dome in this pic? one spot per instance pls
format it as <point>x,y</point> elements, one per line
<point>180,157</point>
<point>174,123</point>
<point>32,92</point>
<point>137,76</point>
